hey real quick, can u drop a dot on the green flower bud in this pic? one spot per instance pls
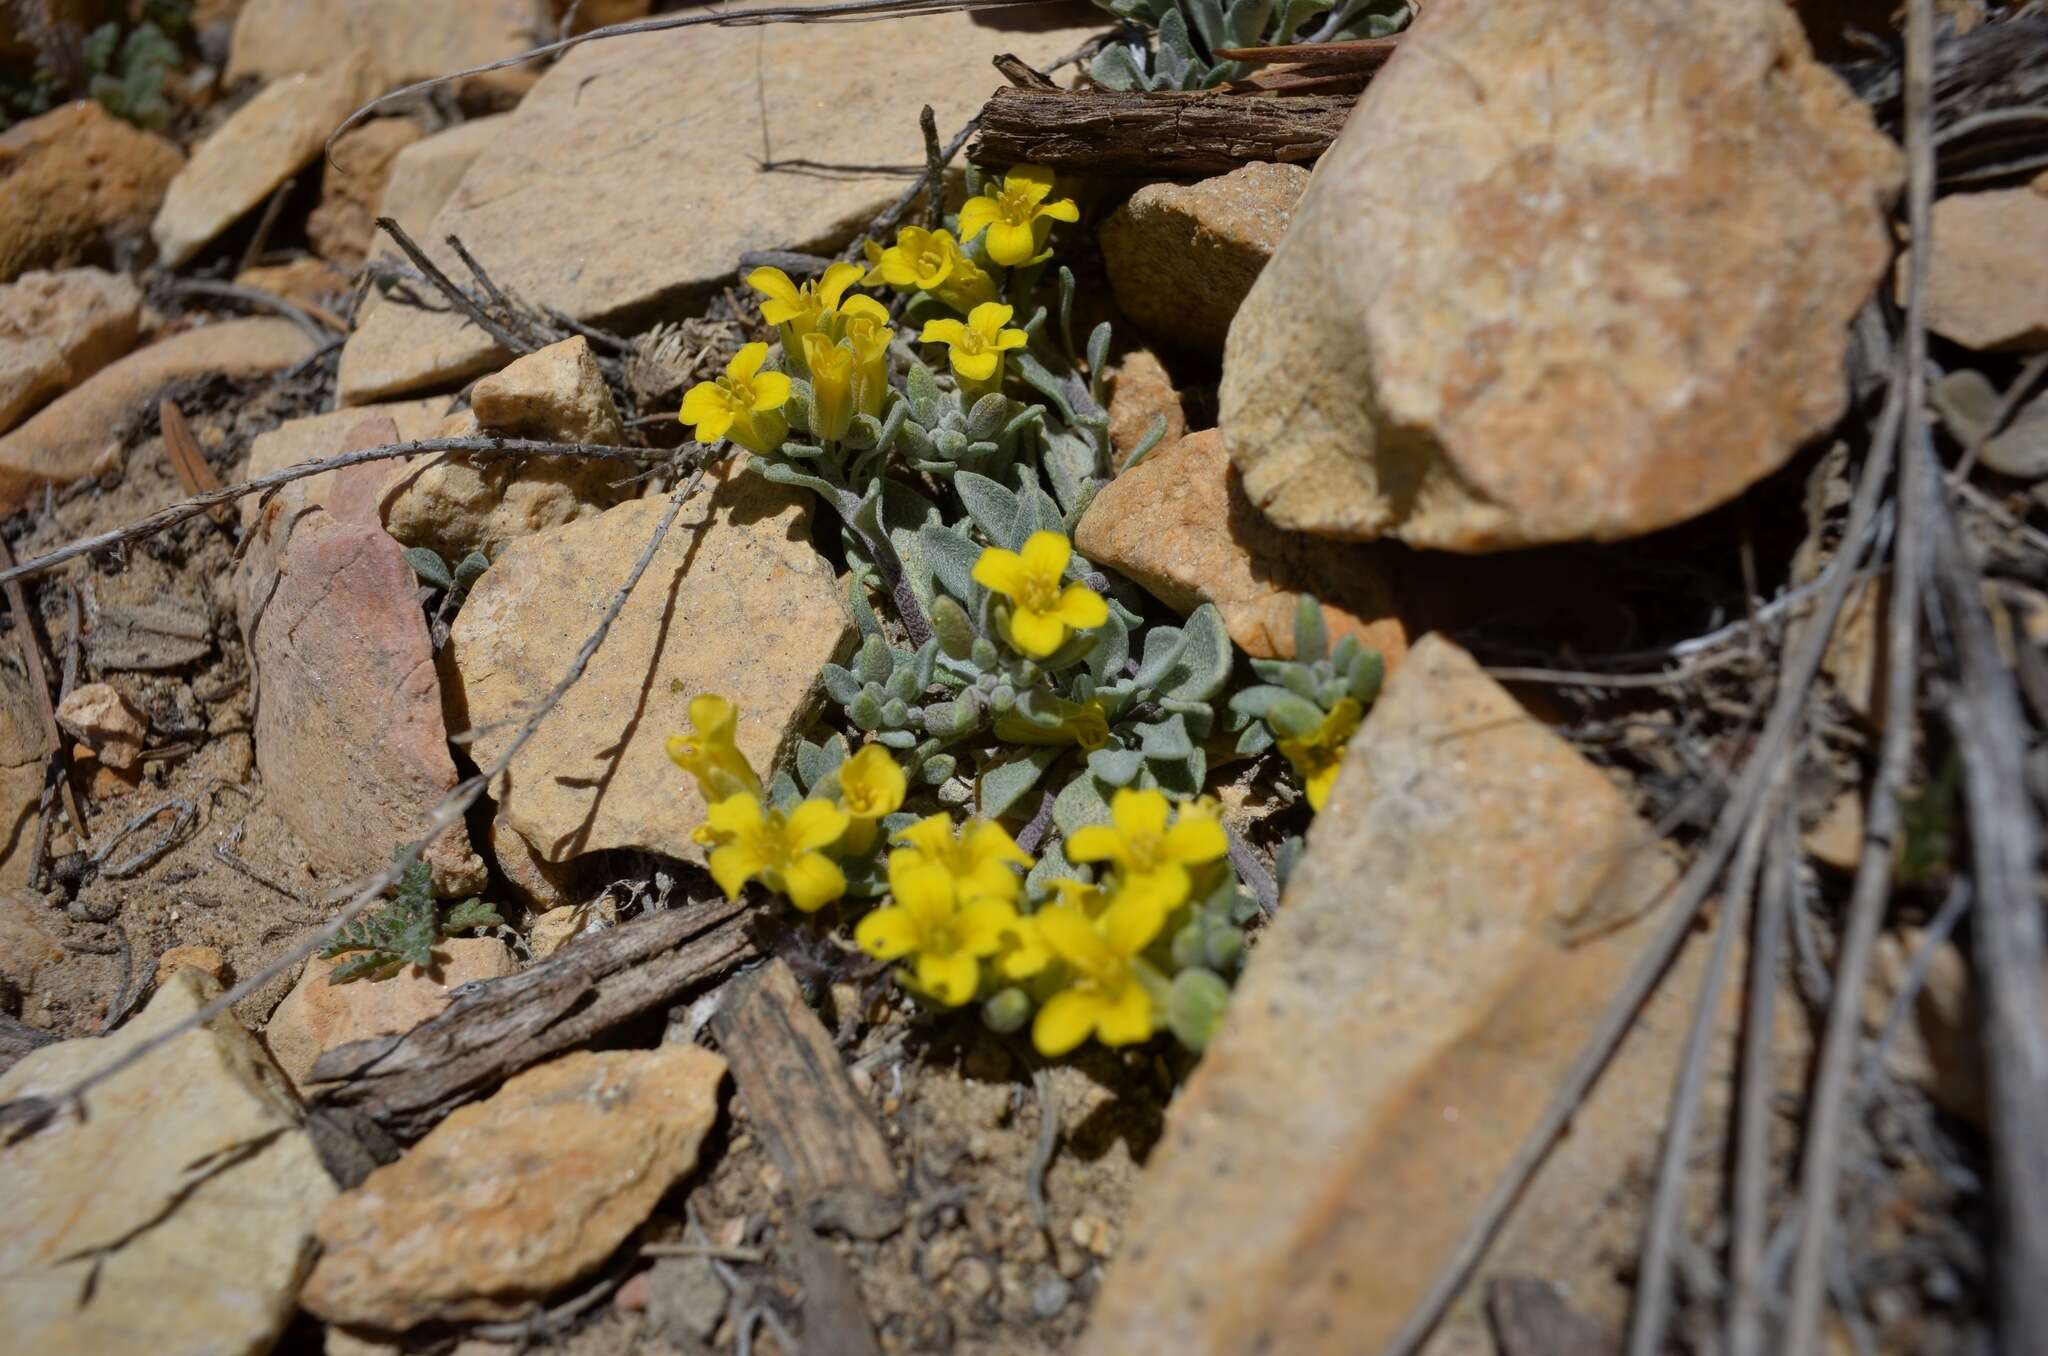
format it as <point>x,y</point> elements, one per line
<point>1006,1010</point>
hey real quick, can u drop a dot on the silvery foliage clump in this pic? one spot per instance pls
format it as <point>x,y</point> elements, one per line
<point>1169,44</point>
<point>1296,693</point>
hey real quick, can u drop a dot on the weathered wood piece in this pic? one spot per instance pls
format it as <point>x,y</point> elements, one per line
<point>1155,134</point>
<point>819,1133</point>
<point>410,1081</point>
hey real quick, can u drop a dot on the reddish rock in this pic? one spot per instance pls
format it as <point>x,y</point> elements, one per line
<point>76,184</point>
<point>348,725</point>
<point>1140,392</point>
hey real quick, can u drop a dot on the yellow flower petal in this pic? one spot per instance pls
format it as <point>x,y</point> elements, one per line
<point>1161,889</point>
<point>989,317</point>
<point>813,880</point>
<point>1128,923</point>
<point>1094,843</point>
<point>982,925</point>
<point>1009,339</point>
<point>886,934</point>
<point>1125,1017</point>
<point>976,366</point>
<point>1073,938</point>
<point>930,836</point>
<point>732,866</point>
<point>782,294</point>
<point>1011,243</point>
<point>1062,210</point>
<point>1001,571</point>
<point>943,332</point>
<point>736,815</point>
<point>977,214</point>
<point>747,361</point>
<point>951,978</point>
<point>988,841</point>
<point>1196,838</point>
<point>1319,785</point>
<point>815,824</point>
<point>837,279</point>
<point>1046,554</point>
<point>1033,181</point>
<point>771,391</point>
<point>1036,634</point>
<point>1138,814</point>
<point>1064,1022</point>
<point>1081,607</point>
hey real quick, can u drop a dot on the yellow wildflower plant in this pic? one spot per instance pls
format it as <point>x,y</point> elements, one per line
<point>1108,998</point>
<point>1043,608</point>
<point>801,309</point>
<point>975,346</point>
<point>944,936</point>
<point>1152,848</point>
<point>1016,215</point>
<point>977,858</point>
<point>1318,755</point>
<point>709,752</point>
<point>864,325</point>
<point>744,405</point>
<point>929,261</point>
<point>871,787</point>
<point>1023,952</point>
<point>831,367</point>
<point>786,853</point>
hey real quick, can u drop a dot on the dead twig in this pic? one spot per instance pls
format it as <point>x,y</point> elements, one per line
<point>319,323</point>
<point>2007,403</point>
<point>173,514</point>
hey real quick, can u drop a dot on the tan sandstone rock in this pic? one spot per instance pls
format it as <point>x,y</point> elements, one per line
<point>76,184</point>
<point>307,280</point>
<point>24,760</point>
<point>207,960</point>
<point>263,143</point>
<point>543,886</point>
<point>510,1198</point>
<point>1181,257</point>
<point>556,393</point>
<point>70,436</point>
<point>57,329</point>
<point>1421,954</point>
<point>351,183</point>
<point>1179,524</point>
<point>26,946</point>
<point>1531,303</point>
<point>736,602</point>
<point>1141,391</point>
<point>318,436</point>
<point>564,203</point>
<point>348,705</point>
<point>1987,279</point>
<point>557,928</point>
<point>405,40</point>
<point>102,718</point>
<point>424,175</point>
<point>316,1016</point>
<point>178,1215</point>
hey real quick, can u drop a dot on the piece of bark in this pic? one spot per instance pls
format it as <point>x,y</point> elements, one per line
<point>820,1134</point>
<point>836,1322</point>
<point>1158,135</point>
<point>408,1082</point>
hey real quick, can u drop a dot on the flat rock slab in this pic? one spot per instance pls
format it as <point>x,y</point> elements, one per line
<point>1572,271</point>
<point>403,39</point>
<point>57,329</point>
<point>77,183</point>
<point>315,437</point>
<point>263,143</point>
<point>70,436</point>
<point>511,1198</point>
<point>178,1216</point>
<point>631,177</point>
<point>1987,281</point>
<point>1420,958</point>
<point>349,731</point>
<point>736,602</point>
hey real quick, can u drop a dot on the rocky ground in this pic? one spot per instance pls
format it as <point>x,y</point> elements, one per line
<point>1709,753</point>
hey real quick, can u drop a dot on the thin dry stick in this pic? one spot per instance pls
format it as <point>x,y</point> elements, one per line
<point>174,514</point>
<point>1802,663</point>
<point>850,11</point>
<point>1820,1166</point>
<point>443,817</point>
<point>1751,1195</point>
<point>318,323</point>
<point>1653,1283</point>
<point>468,305</point>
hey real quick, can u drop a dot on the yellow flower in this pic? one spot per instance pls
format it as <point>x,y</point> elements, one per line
<point>864,323</point>
<point>831,368</point>
<point>976,347</point>
<point>977,859</point>
<point>929,261</point>
<point>1152,858</point>
<point>785,852</point>
<point>1317,756</point>
<point>801,310</point>
<point>744,405</point>
<point>1083,723</point>
<point>871,786</point>
<point>1107,999</point>
<point>708,752</point>
<point>1016,216</point>
<point>1041,610</point>
<point>946,937</point>
<point>1023,952</point>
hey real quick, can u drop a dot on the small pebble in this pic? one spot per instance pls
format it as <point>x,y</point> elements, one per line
<point>975,1278</point>
<point>632,1296</point>
<point>1050,1296</point>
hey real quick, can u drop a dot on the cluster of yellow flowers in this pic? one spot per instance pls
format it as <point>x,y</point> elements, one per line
<point>841,343</point>
<point>791,853</point>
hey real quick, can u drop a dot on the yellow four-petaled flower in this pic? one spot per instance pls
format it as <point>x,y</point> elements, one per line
<point>871,787</point>
<point>1042,607</point>
<point>744,405</point>
<point>944,935</point>
<point>1152,848</point>
<point>1016,215</point>
<point>1107,998</point>
<point>929,261</point>
<point>976,346</point>
<point>801,309</point>
<point>785,852</point>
